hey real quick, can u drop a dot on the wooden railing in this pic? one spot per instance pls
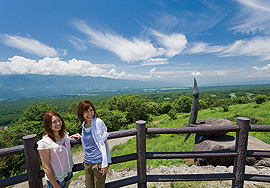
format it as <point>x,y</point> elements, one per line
<point>34,174</point>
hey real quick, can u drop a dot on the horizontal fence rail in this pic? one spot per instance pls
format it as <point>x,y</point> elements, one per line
<point>201,129</point>
<point>11,151</point>
<point>240,153</point>
<point>183,155</point>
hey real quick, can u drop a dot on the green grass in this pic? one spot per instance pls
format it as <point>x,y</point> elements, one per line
<point>175,142</point>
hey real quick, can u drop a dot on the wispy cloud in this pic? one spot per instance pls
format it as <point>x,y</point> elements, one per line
<point>134,49</point>
<point>127,50</point>
<point>77,43</point>
<point>55,66</point>
<point>230,73</point>
<point>257,46</point>
<point>155,61</point>
<point>201,47</point>
<point>173,43</point>
<point>260,72</point>
<point>28,45</point>
<point>253,17</point>
<point>264,68</point>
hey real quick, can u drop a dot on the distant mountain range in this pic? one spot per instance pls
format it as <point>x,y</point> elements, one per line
<point>28,86</point>
<point>22,86</point>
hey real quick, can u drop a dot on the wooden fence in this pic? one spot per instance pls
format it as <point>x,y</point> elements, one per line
<point>34,174</point>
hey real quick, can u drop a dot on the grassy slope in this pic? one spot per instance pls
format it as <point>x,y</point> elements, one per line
<point>170,143</point>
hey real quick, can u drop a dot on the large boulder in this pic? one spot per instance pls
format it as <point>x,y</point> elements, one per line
<point>213,122</point>
<point>226,142</point>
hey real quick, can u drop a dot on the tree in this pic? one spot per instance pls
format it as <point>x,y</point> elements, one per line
<point>72,123</point>
<point>113,119</point>
<point>172,114</point>
<point>208,101</point>
<point>112,103</point>
<point>152,108</point>
<point>134,105</point>
<point>183,104</point>
<point>259,99</point>
<point>35,112</point>
<point>72,109</point>
<point>202,104</point>
<point>164,107</point>
<point>224,103</point>
<point>240,100</point>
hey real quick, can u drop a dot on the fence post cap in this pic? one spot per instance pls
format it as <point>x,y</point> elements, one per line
<point>29,136</point>
<point>243,118</point>
<point>140,122</point>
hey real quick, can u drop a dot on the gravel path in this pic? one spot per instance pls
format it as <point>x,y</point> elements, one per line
<point>183,169</point>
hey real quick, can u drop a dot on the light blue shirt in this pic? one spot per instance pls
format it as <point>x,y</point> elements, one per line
<point>91,152</point>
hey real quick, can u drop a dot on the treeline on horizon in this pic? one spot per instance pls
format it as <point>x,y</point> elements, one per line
<point>117,111</point>
<point>11,110</point>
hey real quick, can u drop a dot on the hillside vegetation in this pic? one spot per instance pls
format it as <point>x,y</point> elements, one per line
<point>168,109</point>
<point>175,143</point>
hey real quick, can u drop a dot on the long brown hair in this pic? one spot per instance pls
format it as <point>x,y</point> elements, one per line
<point>47,119</point>
<point>84,106</point>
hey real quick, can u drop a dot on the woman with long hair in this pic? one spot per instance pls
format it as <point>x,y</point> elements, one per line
<point>55,151</point>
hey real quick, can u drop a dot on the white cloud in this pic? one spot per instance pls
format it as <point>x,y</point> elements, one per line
<point>203,74</point>
<point>259,72</point>
<point>28,45</point>
<point>153,73</point>
<point>55,66</point>
<point>265,68</point>
<point>257,46</point>
<point>254,16</point>
<point>77,43</point>
<point>201,47</point>
<point>155,61</point>
<point>195,73</point>
<point>134,49</point>
<point>173,43</point>
<point>123,75</point>
<point>127,50</point>
<point>105,65</point>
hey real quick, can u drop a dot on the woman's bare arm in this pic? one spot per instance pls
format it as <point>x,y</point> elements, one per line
<point>45,159</point>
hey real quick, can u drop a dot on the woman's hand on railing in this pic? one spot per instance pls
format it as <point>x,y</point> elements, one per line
<point>75,139</point>
<point>77,136</point>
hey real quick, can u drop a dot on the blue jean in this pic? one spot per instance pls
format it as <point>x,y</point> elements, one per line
<point>62,183</point>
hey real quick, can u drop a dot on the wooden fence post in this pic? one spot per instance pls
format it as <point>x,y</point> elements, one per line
<point>241,143</point>
<point>141,152</point>
<point>32,161</point>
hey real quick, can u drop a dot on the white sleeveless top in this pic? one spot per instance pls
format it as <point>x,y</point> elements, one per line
<point>60,156</point>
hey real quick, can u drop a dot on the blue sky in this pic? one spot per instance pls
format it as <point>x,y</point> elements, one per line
<point>216,41</point>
